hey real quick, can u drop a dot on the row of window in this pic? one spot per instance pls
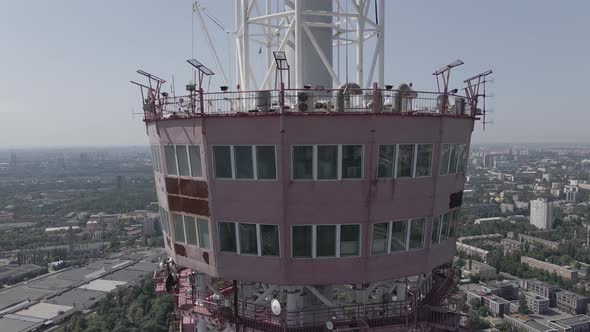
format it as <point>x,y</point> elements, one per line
<point>183,160</point>
<point>399,235</point>
<point>454,158</point>
<point>327,162</point>
<point>311,162</point>
<point>255,162</point>
<point>317,241</point>
<point>191,230</point>
<point>249,239</point>
<point>445,226</point>
<point>404,160</point>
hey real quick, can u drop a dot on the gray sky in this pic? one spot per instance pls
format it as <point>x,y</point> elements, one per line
<point>65,65</point>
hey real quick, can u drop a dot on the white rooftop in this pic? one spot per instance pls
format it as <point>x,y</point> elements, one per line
<point>44,310</point>
<point>103,285</point>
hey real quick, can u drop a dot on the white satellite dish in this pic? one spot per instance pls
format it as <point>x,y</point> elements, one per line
<point>275,307</point>
<point>329,325</point>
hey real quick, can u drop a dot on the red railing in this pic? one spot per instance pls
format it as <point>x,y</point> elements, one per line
<point>418,308</point>
<point>305,101</point>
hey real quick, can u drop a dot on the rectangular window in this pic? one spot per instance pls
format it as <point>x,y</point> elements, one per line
<point>380,234</point>
<point>248,239</point>
<point>349,240</point>
<point>453,156</point>
<point>203,228</point>
<point>158,158</point>
<point>222,162</point>
<point>194,152</point>
<point>302,241</point>
<point>444,161</point>
<point>182,157</point>
<point>327,162</point>
<point>164,220</point>
<point>444,233</point>
<point>303,162</point>
<point>326,241</point>
<point>424,160</point>
<point>462,155</point>
<point>405,160</point>
<point>191,230</point>
<point>270,240</point>
<point>266,168</point>
<point>352,161</point>
<point>399,230</point>
<point>227,236</point>
<point>436,230</point>
<point>244,162</point>
<point>417,233</point>
<point>386,161</point>
<point>170,160</point>
<point>178,227</point>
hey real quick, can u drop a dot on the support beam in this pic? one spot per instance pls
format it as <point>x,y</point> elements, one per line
<point>321,297</point>
<point>318,49</point>
<point>266,293</point>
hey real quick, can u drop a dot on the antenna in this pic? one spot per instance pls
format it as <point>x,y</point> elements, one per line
<point>440,76</point>
<point>202,69</point>
<point>472,91</point>
<point>275,307</point>
<point>152,90</point>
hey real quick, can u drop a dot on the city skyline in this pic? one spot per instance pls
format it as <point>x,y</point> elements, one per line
<point>66,81</point>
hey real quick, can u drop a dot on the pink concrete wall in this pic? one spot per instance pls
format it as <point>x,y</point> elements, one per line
<point>286,202</point>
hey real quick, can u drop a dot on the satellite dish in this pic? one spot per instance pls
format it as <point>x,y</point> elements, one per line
<point>275,307</point>
<point>329,325</point>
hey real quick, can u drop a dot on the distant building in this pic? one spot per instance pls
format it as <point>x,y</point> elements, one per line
<point>13,273</point>
<point>504,289</point>
<point>510,246</point>
<point>473,251</point>
<point>526,324</point>
<point>571,302</point>
<point>579,323</point>
<point>541,288</point>
<point>481,270</point>
<point>571,194</point>
<point>496,305</point>
<point>541,214</point>
<point>488,220</point>
<point>151,226</point>
<point>538,241</point>
<point>537,303</point>
<point>564,272</point>
<point>506,207</point>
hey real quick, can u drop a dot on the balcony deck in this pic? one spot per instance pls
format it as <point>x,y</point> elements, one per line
<point>309,102</point>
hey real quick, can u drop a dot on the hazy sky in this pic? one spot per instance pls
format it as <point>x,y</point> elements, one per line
<point>65,65</point>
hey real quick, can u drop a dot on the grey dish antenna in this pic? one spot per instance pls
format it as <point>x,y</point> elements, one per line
<point>275,307</point>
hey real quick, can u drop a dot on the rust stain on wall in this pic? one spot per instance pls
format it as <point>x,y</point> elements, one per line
<point>172,186</point>
<point>180,249</point>
<point>189,205</point>
<point>194,188</point>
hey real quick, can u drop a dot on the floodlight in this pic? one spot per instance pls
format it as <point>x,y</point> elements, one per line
<point>152,76</point>
<point>485,73</point>
<point>281,60</point>
<point>449,66</point>
<point>200,67</point>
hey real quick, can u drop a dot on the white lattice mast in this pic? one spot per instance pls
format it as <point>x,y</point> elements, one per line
<point>311,33</point>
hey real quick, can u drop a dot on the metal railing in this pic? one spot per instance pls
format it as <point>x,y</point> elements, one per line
<point>306,101</point>
<point>416,309</point>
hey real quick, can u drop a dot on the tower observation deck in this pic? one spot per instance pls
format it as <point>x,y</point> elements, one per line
<point>304,198</point>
